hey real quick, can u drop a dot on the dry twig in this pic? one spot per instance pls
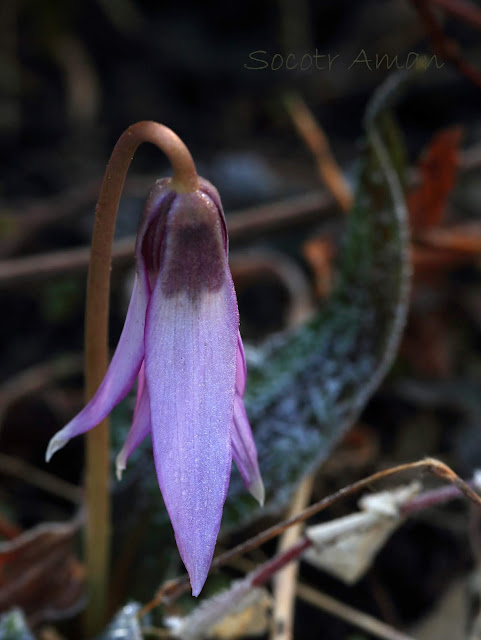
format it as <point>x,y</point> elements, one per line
<point>349,614</point>
<point>285,581</point>
<point>255,220</point>
<point>241,224</point>
<point>317,142</point>
<point>174,588</point>
<point>442,45</point>
<point>17,468</point>
<point>35,378</point>
<point>334,607</point>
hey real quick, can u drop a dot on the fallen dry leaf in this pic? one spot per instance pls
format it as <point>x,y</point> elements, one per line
<point>437,167</point>
<point>346,547</point>
<point>240,611</point>
<point>40,573</point>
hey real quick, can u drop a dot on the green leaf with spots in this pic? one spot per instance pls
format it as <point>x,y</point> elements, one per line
<point>13,626</point>
<point>307,387</point>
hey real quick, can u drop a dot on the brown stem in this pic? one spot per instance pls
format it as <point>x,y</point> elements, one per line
<point>431,498</point>
<point>265,573</point>
<point>96,342</point>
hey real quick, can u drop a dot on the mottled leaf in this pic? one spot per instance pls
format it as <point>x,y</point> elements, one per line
<point>13,626</point>
<point>125,625</point>
<point>307,387</point>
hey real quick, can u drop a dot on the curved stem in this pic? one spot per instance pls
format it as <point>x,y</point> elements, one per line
<point>96,343</point>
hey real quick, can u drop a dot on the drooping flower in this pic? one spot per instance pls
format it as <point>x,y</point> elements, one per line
<point>181,342</point>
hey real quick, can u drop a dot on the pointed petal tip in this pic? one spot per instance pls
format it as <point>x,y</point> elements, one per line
<point>55,444</point>
<point>197,584</point>
<point>197,566</point>
<point>244,451</point>
<point>258,491</point>
<point>196,592</point>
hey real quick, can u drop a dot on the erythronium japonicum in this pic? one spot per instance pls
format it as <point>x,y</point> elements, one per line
<point>181,342</point>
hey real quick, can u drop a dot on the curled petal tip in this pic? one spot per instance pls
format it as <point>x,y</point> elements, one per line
<point>244,451</point>
<point>257,490</point>
<point>56,443</point>
<point>120,464</point>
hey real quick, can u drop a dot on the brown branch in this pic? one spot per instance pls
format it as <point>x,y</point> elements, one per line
<point>241,224</point>
<point>24,224</point>
<point>442,45</point>
<point>295,210</point>
<point>36,378</point>
<point>19,469</point>
<point>465,11</point>
<point>44,265</point>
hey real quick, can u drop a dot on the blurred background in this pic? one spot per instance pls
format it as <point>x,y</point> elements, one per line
<point>73,76</point>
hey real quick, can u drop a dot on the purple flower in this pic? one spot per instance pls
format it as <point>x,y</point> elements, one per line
<point>181,341</point>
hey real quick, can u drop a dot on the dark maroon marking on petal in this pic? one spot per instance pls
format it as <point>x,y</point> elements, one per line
<point>154,236</point>
<point>156,195</point>
<point>193,258</point>
<point>209,189</point>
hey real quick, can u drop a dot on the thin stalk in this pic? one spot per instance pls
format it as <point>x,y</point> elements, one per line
<point>97,543</point>
<point>284,585</point>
